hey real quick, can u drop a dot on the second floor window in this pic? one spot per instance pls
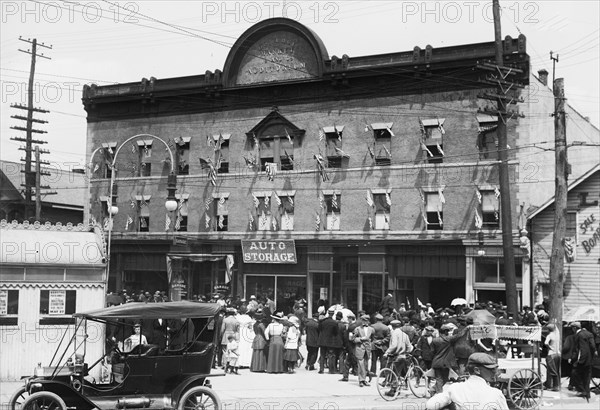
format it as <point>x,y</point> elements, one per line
<point>286,210</point>
<point>490,206</point>
<point>144,158</point>
<point>382,210</point>
<point>263,212</point>
<point>221,215</point>
<point>434,211</point>
<point>487,138</point>
<point>382,132</point>
<point>334,207</point>
<point>277,149</point>
<point>333,141</point>
<point>143,215</point>
<point>182,157</point>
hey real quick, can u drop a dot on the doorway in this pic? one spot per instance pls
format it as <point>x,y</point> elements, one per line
<point>443,290</point>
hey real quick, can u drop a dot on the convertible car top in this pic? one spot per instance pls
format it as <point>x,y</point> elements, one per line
<point>163,310</point>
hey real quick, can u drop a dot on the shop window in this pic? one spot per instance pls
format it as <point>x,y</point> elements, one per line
<point>434,211</point>
<point>263,211</point>
<point>490,213</point>
<point>487,137</point>
<point>9,307</point>
<point>382,133</point>
<point>144,215</point>
<point>382,211</point>
<point>145,158</point>
<point>182,158</point>
<point>491,271</point>
<point>334,206</point>
<point>286,210</point>
<point>181,218</point>
<point>55,305</point>
<point>221,214</point>
<point>221,142</point>
<point>333,143</point>
<point>109,155</point>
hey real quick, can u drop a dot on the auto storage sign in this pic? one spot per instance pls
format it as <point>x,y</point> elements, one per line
<point>273,251</point>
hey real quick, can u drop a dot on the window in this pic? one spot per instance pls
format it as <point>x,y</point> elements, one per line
<point>221,142</point>
<point>221,213</point>
<point>491,270</point>
<point>9,307</point>
<point>382,210</point>
<point>434,154</point>
<point>278,150</point>
<point>143,205</point>
<point>434,211</point>
<point>333,142</point>
<point>433,135</point>
<point>490,206</point>
<point>145,158</point>
<point>109,155</point>
<point>263,211</point>
<point>181,218</point>
<point>182,155</point>
<point>382,132</point>
<point>487,140</point>
<point>57,302</point>
<point>286,210</point>
<point>334,206</point>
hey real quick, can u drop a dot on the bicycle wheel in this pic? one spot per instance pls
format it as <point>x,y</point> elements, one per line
<point>417,382</point>
<point>387,384</point>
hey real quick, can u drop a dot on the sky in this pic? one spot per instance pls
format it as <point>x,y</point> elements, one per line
<point>107,42</point>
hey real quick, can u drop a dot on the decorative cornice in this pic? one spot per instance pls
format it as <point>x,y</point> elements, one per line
<point>26,225</point>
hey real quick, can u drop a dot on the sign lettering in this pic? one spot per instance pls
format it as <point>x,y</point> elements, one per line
<point>56,302</point>
<point>277,251</point>
<point>3,302</point>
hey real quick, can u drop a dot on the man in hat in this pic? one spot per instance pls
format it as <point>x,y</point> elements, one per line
<point>311,327</point>
<point>581,359</point>
<point>388,304</point>
<point>229,326</point>
<point>552,341</point>
<point>330,341</point>
<point>362,338</point>
<point>528,317</point>
<point>443,354</point>
<point>381,340</point>
<point>396,353</point>
<point>252,304</point>
<point>424,347</point>
<point>475,392</point>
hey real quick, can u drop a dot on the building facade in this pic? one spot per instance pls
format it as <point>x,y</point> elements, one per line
<point>305,175</point>
<point>582,243</point>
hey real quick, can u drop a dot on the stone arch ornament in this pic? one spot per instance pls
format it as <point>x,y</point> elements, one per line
<point>277,49</point>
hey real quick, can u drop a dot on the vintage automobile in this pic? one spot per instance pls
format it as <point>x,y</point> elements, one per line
<point>149,376</point>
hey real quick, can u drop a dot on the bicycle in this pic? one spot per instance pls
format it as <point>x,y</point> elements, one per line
<point>389,382</point>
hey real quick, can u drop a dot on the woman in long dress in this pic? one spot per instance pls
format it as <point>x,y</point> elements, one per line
<point>259,345</point>
<point>246,338</point>
<point>274,334</point>
<point>292,343</point>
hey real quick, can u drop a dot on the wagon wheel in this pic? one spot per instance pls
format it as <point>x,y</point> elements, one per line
<point>417,382</point>
<point>44,400</point>
<point>17,399</point>
<point>388,384</point>
<point>199,398</point>
<point>525,389</point>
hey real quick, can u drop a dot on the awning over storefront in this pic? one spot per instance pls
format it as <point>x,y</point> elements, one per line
<point>196,257</point>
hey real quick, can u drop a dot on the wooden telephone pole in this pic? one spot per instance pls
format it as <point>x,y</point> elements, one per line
<point>557,256</point>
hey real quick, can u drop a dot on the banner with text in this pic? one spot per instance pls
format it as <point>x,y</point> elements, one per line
<point>269,251</point>
<point>506,332</point>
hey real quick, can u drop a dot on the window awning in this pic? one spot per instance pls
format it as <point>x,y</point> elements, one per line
<point>332,129</point>
<point>382,125</point>
<point>433,122</point>
<point>144,143</point>
<point>224,136</point>
<point>196,257</point>
<point>484,118</point>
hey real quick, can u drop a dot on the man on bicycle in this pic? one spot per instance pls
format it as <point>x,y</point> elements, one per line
<point>396,353</point>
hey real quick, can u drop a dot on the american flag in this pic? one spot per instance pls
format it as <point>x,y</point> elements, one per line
<point>207,221</point>
<point>388,199</point>
<point>441,195</point>
<point>390,131</point>
<point>208,203</point>
<point>321,134</point>
<point>132,204</point>
<point>222,201</point>
<point>256,201</point>
<point>422,195</point>
<point>478,220</point>
<point>387,151</point>
<point>143,223</point>
<point>334,218</point>
<point>422,127</point>
<point>289,137</point>
<point>96,167</point>
<point>250,221</point>
<point>367,127</point>
<point>371,153</point>
<point>441,127</point>
<point>277,199</point>
<point>321,200</point>
<point>479,196</point>
<point>274,221</point>
<point>255,139</point>
<point>439,148</point>
<point>342,153</point>
<point>133,148</point>
<point>178,221</point>
<point>370,198</point>
<point>291,200</point>
<point>167,222</point>
<point>267,200</point>
<point>221,221</point>
<point>338,133</point>
<point>424,148</point>
<point>128,222</point>
<point>318,222</point>
<point>370,223</point>
<point>497,192</point>
<point>334,202</point>
<point>439,215</point>
<point>209,140</point>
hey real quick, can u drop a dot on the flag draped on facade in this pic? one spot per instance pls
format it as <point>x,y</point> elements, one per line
<point>478,220</point>
<point>370,223</point>
<point>321,167</point>
<point>207,221</point>
<point>256,201</point>
<point>128,222</point>
<point>318,222</point>
<point>479,196</point>
<point>221,221</point>
<point>370,201</point>
<point>388,199</point>
<point>334,202</point>
<point>424,148</point>
<point>441,195</point>
<point>167,222</point>
<point>321,134</point>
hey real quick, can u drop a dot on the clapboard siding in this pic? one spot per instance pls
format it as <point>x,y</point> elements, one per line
<point>582,276</point>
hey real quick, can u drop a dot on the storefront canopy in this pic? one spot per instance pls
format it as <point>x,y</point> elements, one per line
<point>164,310</point>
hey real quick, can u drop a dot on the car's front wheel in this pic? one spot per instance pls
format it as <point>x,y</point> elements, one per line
<point>17,399</point>
<point>44,400</point>
<point>199,398</point>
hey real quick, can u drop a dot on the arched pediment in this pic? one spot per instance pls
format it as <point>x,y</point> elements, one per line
<point>274,50</point>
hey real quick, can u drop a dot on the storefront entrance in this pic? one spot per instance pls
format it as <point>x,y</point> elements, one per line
<point>284,290</point>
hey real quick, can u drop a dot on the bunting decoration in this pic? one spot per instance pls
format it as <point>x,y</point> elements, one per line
<point>478,220</point>
<point>439,215</point>
<point>143,223</point>
<point>221,221</point>
<point>289,137</point>
<point>370,223</point>
<point>321,134</point>
<point>222,201</point>
<point>479,196</point>
<point>250,162</point>
<point>440,127</point>
<point>255,200</point>
<point>250,221</point>
<point>266,201</point>
<point>321,166</point>
<point>424,148</point>
<point>277,199</point>
<point>271,170</point>
<point>388,199</point>
<point>441,195</point>
<point>207,221</point>
<point>439,148</point>
<point>334,202</point>
<point>208,203</point>
<point>370,201</point>
<point>497,192</point>
<point>128,222</point>
<point>167,222</point>
<point>422,128</point>
<point>341,153</point>
<point>321,200</point>
<point>178,221</point>
<point>274,222</point>
<point>318,222</point>
<point>133,148</point>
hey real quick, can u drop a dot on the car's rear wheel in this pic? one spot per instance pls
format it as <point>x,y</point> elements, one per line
<point>17,399</point>
<point>43,400</point>
<point>199,398</point>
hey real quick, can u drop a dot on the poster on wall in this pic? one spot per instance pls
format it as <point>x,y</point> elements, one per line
<point>3,302</point>
<point>56,302</point>
<point>323,294</point>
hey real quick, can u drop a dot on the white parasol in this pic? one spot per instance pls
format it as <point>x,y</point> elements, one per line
<point>583,313</point>
<point>459,301</point>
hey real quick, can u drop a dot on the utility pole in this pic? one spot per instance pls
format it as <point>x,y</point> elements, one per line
<point>30,176</point>
<point>502,101</point>
<point>560,204</point>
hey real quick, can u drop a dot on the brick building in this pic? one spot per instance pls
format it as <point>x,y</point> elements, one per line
<point>367,173</point>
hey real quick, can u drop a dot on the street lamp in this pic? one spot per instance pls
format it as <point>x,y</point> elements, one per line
<point>481,250</point>
<point>113,209</point>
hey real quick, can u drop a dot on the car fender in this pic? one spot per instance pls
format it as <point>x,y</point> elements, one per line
<point>72,398</point>
<point>197,380</point>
